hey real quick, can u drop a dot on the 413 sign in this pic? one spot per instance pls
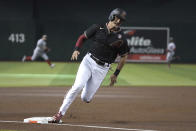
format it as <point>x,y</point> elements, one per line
<point>17,38</point>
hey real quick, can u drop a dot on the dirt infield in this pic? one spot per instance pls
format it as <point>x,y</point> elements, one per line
<point>122,108</point>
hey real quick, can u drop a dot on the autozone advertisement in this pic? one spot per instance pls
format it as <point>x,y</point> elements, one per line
<point>147,44</point>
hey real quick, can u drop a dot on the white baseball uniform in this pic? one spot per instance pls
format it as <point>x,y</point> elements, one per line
<point>170,51</point>
<point>89,78</point>
<point>39,50</point>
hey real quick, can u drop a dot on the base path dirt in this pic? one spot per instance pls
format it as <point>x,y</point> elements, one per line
<point>119,108</point>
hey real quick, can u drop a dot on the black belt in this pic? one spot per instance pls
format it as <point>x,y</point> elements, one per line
<point>99,62</point>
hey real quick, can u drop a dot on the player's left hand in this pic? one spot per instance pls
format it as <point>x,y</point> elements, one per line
<point>113,80</point>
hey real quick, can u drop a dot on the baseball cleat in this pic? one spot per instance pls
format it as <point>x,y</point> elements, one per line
<point>23,58</point>
<point>56,118</point>
<point>52,65</point>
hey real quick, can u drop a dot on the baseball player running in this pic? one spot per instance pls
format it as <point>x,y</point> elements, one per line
<point>170,51</point>
<point>108,42</point>
<point>40,51</point>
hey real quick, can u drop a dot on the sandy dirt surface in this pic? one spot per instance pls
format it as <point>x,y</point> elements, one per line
<point>120,108</point>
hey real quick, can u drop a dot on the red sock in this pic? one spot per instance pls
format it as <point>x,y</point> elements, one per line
<point>28,58</point>
<point>49,62</point>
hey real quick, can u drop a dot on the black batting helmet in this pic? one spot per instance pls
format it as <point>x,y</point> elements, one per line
<point>119,13</point>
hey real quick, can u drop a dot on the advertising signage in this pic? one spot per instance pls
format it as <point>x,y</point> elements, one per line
<point>147,44</point>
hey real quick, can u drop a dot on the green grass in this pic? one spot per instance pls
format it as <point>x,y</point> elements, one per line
<point>18,74</point>
<point>7,130</point>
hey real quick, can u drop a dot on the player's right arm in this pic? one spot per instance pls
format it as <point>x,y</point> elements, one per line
<point>79,43</point>
<point>86,35</point>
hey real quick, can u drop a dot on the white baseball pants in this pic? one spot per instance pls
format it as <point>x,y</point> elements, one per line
<point>170,56</point>
<point>89,78</point>
<point>37,54</point>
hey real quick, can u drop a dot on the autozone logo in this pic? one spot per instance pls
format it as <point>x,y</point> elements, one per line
<point>138,41</point>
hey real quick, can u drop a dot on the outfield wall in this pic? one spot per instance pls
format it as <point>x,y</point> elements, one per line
<point>22,22</point>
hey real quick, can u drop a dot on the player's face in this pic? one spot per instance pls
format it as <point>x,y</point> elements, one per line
<point>117,22</point>
<point>45,38</point>
<point>113,25</point>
